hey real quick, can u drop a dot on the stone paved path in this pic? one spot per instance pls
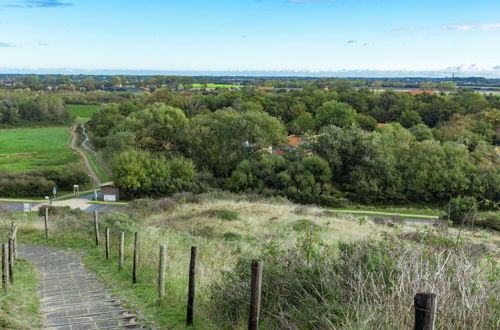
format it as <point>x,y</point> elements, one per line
<point>71,296</point>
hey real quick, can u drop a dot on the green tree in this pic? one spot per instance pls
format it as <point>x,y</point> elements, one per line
<point>409,118</point>
<point>304,123</point>
<point>335,113</point>
<point>421,132</point>
<point>219,141</point>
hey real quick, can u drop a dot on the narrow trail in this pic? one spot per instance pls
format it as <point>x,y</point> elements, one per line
<point>73,297</point>
<point>96,156</point>
<point>72,145</point>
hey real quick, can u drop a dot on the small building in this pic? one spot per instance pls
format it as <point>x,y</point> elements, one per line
<point>292,144</point>
<point>110,192</point>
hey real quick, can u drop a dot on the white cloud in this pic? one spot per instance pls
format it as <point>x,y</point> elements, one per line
<point>467,27</point>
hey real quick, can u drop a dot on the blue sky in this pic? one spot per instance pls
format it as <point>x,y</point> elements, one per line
<point>251,34</point>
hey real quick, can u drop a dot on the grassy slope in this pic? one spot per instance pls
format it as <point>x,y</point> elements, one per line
<point>19,307</point>
<point>183,225</point>
<point>101,172</point>
<point>83,112</point>
<point>31,148</point>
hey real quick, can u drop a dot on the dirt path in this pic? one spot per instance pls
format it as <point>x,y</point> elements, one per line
<point>72,145</point>
<point>387,214</point>
<point>96,156</point>
<point>73,297</point>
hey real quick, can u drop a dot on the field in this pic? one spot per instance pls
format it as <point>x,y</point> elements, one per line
<point>83,112</point>
<point>31,148</point>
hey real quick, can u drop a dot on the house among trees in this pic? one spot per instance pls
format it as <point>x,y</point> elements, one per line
<point>293,142</point>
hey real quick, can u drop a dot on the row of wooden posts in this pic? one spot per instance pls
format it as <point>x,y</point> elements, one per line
<point>424,303</point>
<point>9,254</point>
<point>256,281</point>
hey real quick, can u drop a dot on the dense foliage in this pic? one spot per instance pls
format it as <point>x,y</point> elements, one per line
<point>18,108</point>
<point>368,146</point>
<point>40,182</point>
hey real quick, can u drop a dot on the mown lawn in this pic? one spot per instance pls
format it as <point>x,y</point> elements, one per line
<point>83,112</point>
<point>31,148</point>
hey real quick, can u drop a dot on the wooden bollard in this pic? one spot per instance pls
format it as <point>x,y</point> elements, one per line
<point>5,267</point>
<point>136,258</point>
<point>121,251</point>
<point>107,243</point>
<point>425,311</point>
<point>161,271</point>
<point>47,222</point>
<point>14,236</point>
<point>255,295</point>
<point>192,286</point>
<point>96,228</point>
<point>11,260</point>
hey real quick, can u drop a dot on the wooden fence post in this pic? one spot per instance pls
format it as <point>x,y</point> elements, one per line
<point>11,260</point>
<point>47,222</point>
<point>255,296</point>
<point>136,258</point>
<point>192,286</point>
<point>107,243</point>
<point>425,311</point>
<point>5,266</point>
<point>96,228</point>
<point>121,251</point>
<point>161,271</point>
<point>14,236</point>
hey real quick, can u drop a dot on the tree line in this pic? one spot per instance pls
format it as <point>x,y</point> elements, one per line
<point>18,108</point>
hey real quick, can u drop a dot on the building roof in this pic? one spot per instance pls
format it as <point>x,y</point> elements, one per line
<point>421,91</point>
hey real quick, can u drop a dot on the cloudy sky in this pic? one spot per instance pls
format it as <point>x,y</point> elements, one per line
<point>310,35</point>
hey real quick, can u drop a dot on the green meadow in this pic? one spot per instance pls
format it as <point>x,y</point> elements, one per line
<point>32,148</point>
<point>82,112</point>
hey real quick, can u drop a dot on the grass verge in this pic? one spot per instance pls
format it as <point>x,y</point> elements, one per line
<point>101,172</point>
<point>19,307</point>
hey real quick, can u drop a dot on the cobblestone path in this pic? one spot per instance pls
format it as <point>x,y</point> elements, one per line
<point>71,296</point>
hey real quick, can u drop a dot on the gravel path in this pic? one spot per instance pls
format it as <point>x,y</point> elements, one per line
<point>73,297</point>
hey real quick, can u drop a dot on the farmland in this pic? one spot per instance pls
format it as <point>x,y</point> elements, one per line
<point>31,148</point>
<point>82,112</point>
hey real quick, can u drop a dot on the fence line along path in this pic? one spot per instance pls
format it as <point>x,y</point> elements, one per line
<point>73,297</point>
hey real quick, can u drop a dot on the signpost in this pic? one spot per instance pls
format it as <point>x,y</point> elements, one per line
<point>27,207</point>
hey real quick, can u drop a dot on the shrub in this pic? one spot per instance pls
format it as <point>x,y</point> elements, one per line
<point>231,236</point>
<point>118,222</point>
<point>304,225</point>
<point>225,215</point>
<point>462,210</point>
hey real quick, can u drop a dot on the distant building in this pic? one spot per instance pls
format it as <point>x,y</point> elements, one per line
<point>110,192</point>
<point>293,142</point>
<point>421,91</point>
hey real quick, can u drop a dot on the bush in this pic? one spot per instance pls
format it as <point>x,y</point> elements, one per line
<point>231,236</point>
<point>304,225</point>
<point>462,210</point>
<point>225,215</point>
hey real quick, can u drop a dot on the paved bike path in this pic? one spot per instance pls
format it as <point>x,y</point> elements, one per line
<point>73,297</point>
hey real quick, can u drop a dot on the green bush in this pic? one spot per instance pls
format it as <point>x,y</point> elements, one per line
<point>462,210</point>
<point>225,215</point>
<point>231,236</point>
<point>304,225</point>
